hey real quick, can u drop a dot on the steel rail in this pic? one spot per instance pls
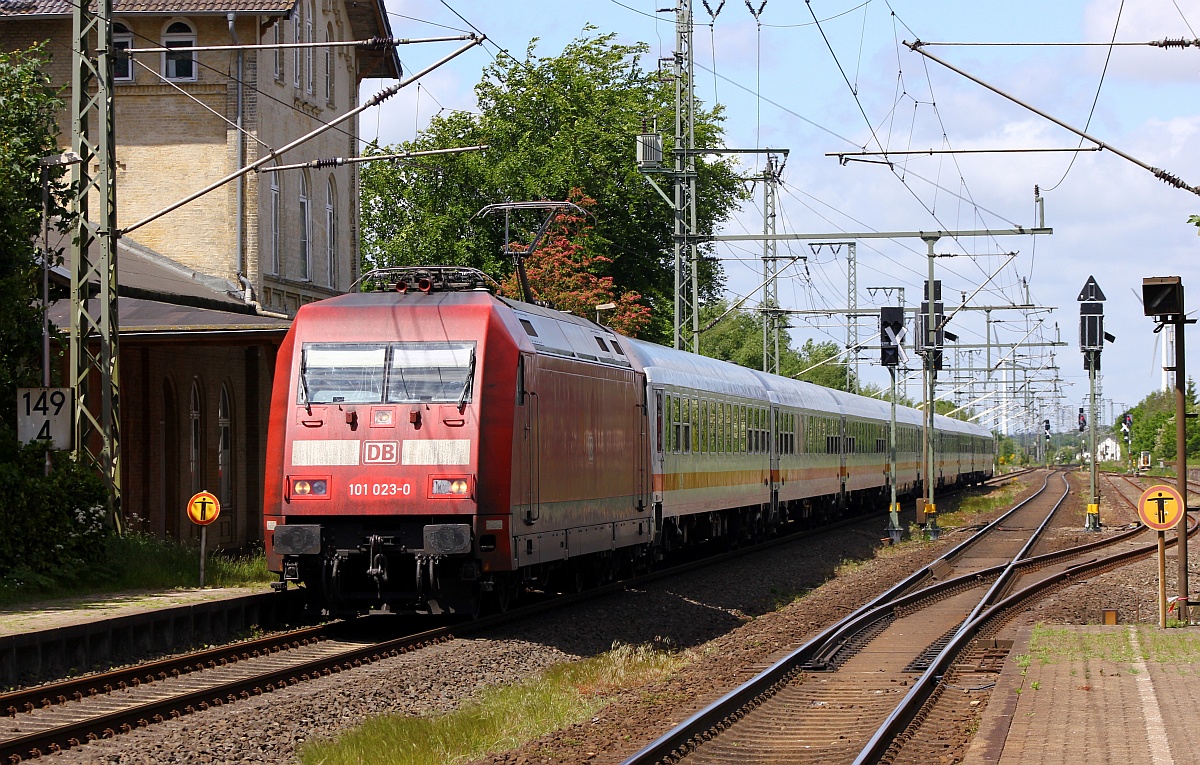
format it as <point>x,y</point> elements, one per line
<point>898,722</point>
<point>106,725</point>
<point>677,741</point>
<point>34,745</point>
<point>42,696</point>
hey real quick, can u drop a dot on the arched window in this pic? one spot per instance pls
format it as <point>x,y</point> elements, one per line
<point>329,65</point>
<point>308,29</point>
<point>196,432</point>
<point>331,232</point>
<point>275,212</point>
<point>179,65</point>
<point>122,65</point>
<point>296,51</point>
<point>305,229</point>
<point>224,453</point>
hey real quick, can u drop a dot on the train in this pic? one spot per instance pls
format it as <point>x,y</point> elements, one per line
<point>435,447</point>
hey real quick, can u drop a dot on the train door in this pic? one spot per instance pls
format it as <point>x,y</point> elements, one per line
<point>642,479</point>
<point>774,440</point>
<point>531,461</point>
<point>843,473</point>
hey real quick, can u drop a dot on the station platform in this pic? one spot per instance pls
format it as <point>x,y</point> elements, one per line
<point>1093,694</point>
<point>60,637</point>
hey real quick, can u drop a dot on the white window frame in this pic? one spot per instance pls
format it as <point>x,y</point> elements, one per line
<point>296,51</point>
<point>329,66</point>
<point>308,28</point>
<point>275,211</point>
<point>122,41</point>
<point>179,40</point>
<point>305,230</point>
<point>278,51</point>
<point>331,231</point>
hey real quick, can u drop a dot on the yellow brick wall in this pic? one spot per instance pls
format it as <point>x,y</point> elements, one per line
<point>173,140</point>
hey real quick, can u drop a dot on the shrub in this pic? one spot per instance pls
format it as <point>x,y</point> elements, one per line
<point>53,527</point>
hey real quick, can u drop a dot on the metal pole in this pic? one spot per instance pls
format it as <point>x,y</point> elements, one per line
<point>204,536</point>
<point>1181,464</point>
<point>930,342</point>
<point>1162,578</point>
<point>894,530</point>
<point>1093,508</point>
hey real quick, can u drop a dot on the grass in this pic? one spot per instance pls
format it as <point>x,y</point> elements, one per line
<point>500,718</point>
<point>963,509</point>
<point>142,562</point>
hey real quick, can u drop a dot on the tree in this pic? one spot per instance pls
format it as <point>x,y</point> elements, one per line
<point>52,525</point>
<point>551,124</point>
<point>1154,424</point>
<point>565,274</point>
<point>28,132</point>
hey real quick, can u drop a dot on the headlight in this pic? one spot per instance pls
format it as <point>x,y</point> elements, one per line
<point>450,487</point>
<point>309,488</point>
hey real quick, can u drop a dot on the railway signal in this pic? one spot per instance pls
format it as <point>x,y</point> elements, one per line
<point>1162,298</point>
<point>1091,341</point>
<point>892,334</point>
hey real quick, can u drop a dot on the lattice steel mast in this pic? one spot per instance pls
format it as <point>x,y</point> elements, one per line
<point>95,375</point>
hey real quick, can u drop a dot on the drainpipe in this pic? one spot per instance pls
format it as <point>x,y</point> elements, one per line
<point>240,187</point>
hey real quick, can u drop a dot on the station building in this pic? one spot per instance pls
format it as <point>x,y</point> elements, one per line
<point>206,291</point>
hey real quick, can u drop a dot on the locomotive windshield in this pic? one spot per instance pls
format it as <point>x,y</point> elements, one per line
<point>393,373</point>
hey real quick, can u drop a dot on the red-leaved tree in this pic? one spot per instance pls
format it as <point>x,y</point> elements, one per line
<point>562,271</point>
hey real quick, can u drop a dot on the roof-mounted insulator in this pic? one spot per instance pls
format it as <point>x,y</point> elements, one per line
<point>378,43</point>
<point>327,162</point>
<point>1178,42</point>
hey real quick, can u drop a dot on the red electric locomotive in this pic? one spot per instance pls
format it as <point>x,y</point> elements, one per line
<point>426,442</point>
<point>432,445</point>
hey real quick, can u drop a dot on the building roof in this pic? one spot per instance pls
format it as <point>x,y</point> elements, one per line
<point>368,19</point>
<point>163,300</point>
<point>198,7</point>
<point>166,322</point>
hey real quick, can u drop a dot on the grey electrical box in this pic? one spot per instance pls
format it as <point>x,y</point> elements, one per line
<point>649,150</point>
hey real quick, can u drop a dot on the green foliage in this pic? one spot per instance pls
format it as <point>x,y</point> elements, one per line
<point>54,527</point>
<point>738,338</point>
<point>500,718</point>
<point>552,124</point>
<point>1154,424</point>
<point>28,130</point>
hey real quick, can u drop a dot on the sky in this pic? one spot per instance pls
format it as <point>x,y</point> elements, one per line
<point>850,84</point>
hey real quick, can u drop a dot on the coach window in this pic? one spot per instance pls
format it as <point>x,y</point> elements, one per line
<point>122,64</point>
<point>694,422</point>
<point>179,65</point>
<point>662,426</point>
<point>729,428</point>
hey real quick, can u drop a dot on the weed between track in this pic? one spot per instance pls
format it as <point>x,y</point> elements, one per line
<point>500,718</point>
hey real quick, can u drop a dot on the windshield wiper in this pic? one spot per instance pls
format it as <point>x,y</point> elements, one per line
<point>462,400</point>
<point>304,380</point>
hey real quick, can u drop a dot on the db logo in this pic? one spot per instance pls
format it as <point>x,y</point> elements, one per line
<point>379,452</point>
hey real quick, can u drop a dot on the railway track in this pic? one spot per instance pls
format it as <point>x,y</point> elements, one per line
<point>852,693</point>
<point>45,719</point>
